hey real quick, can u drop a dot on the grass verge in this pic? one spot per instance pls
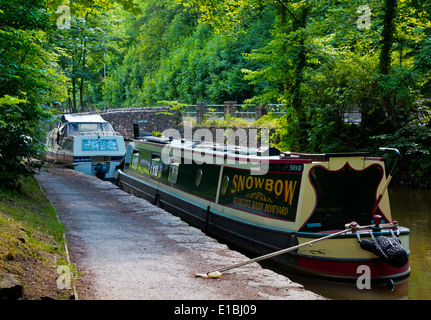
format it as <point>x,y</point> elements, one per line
<point>32,245</point>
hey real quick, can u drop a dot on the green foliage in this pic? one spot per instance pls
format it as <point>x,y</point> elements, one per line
<point>30,206</point>
<point>30,82</point>
<point>211,120</point>
<point>139,57</point>
<point>312,57</point>
<point>414,143</point>
<point>176,58</point>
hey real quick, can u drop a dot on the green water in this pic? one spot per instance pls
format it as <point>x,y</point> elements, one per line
<point>412,208</point>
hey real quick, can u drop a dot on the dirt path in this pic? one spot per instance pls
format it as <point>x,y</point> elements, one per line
<point>127,248</point>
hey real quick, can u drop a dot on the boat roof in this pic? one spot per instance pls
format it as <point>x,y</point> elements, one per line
<point>270,151</point>
<point>87,118</point>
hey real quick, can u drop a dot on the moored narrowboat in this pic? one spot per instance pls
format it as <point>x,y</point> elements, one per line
<point>265,200</point>
<point>86,143</point>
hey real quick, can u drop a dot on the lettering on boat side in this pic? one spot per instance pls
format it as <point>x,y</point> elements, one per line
<point>273,195</point>
<point>81,159</point>
<point>364,280</point>
<point>268,208</point>
<point>222,309</point>
<point>285,188</point>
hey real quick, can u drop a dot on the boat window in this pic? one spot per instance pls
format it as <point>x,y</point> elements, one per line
<point>173,172</point>
<point>61,134</point>
<point>135,160</point>
<point>198,178</point>
<point>50,142</point>
<point>201,183</point>
<point>68,144</point>
<point>103,128</point>
<point>140,161</point>
<point>224,185</point>
<point>155,165</point>
<point>99,145</point>
<point>343,196</point>
<point>89,127</point>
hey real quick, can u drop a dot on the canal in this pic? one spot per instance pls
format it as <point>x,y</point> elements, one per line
<point>411,207</point>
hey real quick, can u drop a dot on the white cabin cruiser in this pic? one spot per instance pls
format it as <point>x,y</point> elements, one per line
<point>87,143</point>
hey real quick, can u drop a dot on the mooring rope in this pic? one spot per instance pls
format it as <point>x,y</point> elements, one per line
<point>217,273</point>
<point>353,226</point>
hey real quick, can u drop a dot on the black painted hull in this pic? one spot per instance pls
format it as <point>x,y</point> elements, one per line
<point>252,238</point>
<point>294,201</point>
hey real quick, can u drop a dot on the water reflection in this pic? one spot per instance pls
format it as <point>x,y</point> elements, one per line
<point>412,208</point>
<point>347,290</point>
<point>381,290</point>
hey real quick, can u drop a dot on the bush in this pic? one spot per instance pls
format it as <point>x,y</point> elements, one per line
<point>21,132</point>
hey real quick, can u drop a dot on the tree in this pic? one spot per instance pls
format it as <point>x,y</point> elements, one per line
<point>283,60</point>
<point>390,8</point>
<point>321,59</point>
<point>95,29</point>
<point>30,83</point>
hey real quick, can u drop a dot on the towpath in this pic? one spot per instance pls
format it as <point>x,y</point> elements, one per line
<point>126,248</point>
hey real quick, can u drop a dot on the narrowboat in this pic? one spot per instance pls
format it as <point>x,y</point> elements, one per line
<point>86,143</point>
<point>264,200</point>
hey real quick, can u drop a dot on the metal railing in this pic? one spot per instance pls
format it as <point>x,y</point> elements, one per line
<point>217,111</point>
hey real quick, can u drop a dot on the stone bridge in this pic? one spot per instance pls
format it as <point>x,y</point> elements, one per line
<point>152,119</point>
<point>158,119</point>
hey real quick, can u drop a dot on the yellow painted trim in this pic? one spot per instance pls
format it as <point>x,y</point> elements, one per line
<point>343,248</point>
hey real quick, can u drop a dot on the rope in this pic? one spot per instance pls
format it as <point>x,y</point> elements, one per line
<point>353,226</point>
<point>218,273</point>
<point>389,249</point>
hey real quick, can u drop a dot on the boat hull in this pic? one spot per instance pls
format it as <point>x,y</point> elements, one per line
<point>340,257</point>
<point>377,269</point>
<point>87,167</point>
<point>88,161</point>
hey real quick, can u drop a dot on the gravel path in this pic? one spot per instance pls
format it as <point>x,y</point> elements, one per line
<point>126,248</point>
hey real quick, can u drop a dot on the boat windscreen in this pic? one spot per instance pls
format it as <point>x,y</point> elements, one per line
<point>103,128</point>
<point>343,196</point>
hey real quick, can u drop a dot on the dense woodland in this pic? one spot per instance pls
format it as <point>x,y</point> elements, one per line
<point>321,59</point>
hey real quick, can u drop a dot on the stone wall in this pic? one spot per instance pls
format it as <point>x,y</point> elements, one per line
<point>158,119</point>
<point>155,119</point>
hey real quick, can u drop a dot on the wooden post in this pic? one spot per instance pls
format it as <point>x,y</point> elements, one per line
<point>260,111</point>
<point>229,108</point>
<point>201,110</point>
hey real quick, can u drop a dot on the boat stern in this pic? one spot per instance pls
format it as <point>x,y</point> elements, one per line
<point>339,189</point>
<point>348,256</point>
<point>98,155</point>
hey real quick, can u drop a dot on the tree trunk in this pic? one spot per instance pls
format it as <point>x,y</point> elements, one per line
<point>295,90</point>
<point>81,86</point>
<point>74,109</point>
<point>84,51</point>
<point>385,54</point>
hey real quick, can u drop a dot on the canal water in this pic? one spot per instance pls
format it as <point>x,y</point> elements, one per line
<point>411,207</point>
